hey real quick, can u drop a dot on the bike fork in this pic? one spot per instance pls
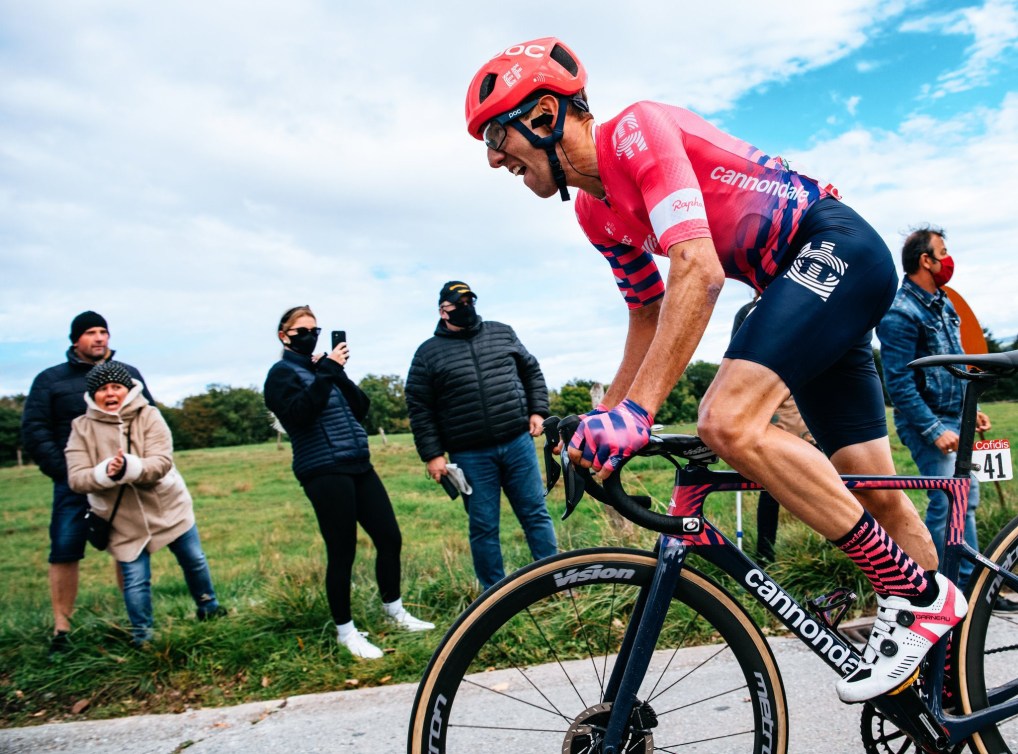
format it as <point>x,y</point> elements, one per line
<point>637,650</point>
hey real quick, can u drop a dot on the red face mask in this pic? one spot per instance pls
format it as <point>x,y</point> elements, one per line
<point>942,277</point>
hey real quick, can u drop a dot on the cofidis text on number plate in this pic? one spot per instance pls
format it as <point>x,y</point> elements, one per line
<point>992,459</point>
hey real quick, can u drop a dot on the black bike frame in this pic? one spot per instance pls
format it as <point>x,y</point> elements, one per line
<point>693,483</point>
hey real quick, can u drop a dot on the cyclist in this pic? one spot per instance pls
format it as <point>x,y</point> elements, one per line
<point>658,179</point>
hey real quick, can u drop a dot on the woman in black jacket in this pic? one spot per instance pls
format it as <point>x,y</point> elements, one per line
<point>320,408</point>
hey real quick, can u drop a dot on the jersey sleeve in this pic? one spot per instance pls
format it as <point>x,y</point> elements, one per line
<point>635,271</point>
<point>650,148</point>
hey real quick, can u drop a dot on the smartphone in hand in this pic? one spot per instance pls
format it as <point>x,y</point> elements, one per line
<point>338,336</point>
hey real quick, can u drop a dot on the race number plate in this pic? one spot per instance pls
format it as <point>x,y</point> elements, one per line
<point>992,459</point>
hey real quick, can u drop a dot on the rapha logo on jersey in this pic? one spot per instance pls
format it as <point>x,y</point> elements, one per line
<point>627,138</point>
<point>818,269</point>
<point>678,207</point>
<point>513,75</point>
<point>597,572</point>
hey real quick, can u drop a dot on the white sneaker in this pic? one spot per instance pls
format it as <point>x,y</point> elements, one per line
<point>407,622</point>
<point>359,646</point>
<point>902,635</point>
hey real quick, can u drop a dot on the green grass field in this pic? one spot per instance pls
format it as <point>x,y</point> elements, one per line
<point>267,561</point>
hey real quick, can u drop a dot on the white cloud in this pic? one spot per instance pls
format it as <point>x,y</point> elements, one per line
<point>994,31</point>
<point>193,169</point>
<point>956,174</point>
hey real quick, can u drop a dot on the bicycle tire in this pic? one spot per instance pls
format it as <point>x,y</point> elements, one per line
<point>988,645</point>
<point>727,696</point>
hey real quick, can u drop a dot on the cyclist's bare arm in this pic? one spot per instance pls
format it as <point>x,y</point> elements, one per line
<point>642,327</point>
<point>695,278</point>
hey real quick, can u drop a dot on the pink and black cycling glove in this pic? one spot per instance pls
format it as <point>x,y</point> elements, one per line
<point>608,438</point>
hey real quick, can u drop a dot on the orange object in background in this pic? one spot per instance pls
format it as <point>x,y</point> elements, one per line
<point>972,338</point>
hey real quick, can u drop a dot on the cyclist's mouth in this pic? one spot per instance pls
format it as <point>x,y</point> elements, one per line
<point>518,170</point>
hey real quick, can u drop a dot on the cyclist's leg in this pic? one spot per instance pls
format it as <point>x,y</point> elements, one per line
<point>811,327</point>
<point>499,682</point>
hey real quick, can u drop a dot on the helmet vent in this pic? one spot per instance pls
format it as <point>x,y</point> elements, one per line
<point>487,86</point>
<point>564,59</point>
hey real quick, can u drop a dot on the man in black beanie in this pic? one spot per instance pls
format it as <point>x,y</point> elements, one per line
<point>57,398</point>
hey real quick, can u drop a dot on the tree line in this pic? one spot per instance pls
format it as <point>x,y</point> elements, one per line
<point>225,415</point>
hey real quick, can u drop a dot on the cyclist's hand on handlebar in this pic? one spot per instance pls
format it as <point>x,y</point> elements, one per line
<point>603,440</point>
<point>600,408</point>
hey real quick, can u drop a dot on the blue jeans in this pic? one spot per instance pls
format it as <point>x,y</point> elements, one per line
<point>138,583</point>
<point>67,525</point>
<point>511,466</point>
<point>932,462</point>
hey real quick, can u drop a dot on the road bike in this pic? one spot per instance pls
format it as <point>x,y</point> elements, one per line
<point>613,679</point>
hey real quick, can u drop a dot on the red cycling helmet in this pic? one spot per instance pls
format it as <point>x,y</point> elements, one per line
<point>513,75</point>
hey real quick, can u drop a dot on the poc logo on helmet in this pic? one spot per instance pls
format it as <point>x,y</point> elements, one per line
<point>531,51</point>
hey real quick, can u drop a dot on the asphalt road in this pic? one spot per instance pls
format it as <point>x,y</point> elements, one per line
<point>376,719</point>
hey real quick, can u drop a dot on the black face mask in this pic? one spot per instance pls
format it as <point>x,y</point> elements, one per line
<point>464,315</point>
<point>303,343</point>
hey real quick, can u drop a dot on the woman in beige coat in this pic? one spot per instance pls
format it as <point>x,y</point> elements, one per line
<point>122,448</point>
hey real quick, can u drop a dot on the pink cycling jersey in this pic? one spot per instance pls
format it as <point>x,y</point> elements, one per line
<point>670,176</point>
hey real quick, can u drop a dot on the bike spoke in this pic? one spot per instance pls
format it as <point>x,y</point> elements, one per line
<point>552,711</point>
<point>701,701</point>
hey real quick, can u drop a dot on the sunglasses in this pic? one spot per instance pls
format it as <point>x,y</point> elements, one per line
<point>495,133</point>
<point>302,331</point>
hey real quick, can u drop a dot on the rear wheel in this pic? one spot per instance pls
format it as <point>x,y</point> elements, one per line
<point>988,646</point>
<point>500,681</point>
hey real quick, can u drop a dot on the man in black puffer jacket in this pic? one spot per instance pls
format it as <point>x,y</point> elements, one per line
<point>57,398</point>
<point>476,393</point>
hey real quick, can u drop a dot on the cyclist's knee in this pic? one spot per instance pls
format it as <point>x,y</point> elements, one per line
<point>727,436</point>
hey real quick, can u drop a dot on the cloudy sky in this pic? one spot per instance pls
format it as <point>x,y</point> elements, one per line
<point>192,169</point>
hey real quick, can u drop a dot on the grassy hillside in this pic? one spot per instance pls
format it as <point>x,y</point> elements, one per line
<point>267,561</point>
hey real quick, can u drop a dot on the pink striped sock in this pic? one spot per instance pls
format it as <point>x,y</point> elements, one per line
<point>889,568</point>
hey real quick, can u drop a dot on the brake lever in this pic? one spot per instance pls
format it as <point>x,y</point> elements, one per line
<point>574,477</point>
<point>552,469</point>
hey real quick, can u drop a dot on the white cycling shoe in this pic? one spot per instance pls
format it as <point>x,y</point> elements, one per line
<point>407,622</point>
<point>902,634</point>
<point>359,646</point>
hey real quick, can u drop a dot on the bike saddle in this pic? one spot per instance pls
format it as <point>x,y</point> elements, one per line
<point>998,363</point>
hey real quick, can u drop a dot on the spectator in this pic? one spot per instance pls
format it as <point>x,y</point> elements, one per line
<point>54,401</point>
<point>321,408</point>
<point>786,417</point>
<point>120,453</point>
<point>476,393</point>
<point>927,402</point>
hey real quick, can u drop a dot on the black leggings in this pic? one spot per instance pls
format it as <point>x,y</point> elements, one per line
<point>341,501</point>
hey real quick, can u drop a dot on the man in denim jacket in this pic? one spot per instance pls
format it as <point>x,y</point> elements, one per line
<point>927,402</point>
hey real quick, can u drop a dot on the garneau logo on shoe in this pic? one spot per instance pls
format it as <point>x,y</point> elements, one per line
<point>801,624</point>
<point>592,573</point>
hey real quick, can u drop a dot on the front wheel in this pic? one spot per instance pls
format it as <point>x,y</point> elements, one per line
<point>988,646</point>
<point>525,667</point>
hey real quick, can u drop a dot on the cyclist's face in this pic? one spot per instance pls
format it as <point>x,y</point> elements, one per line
<point>524,161</point>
